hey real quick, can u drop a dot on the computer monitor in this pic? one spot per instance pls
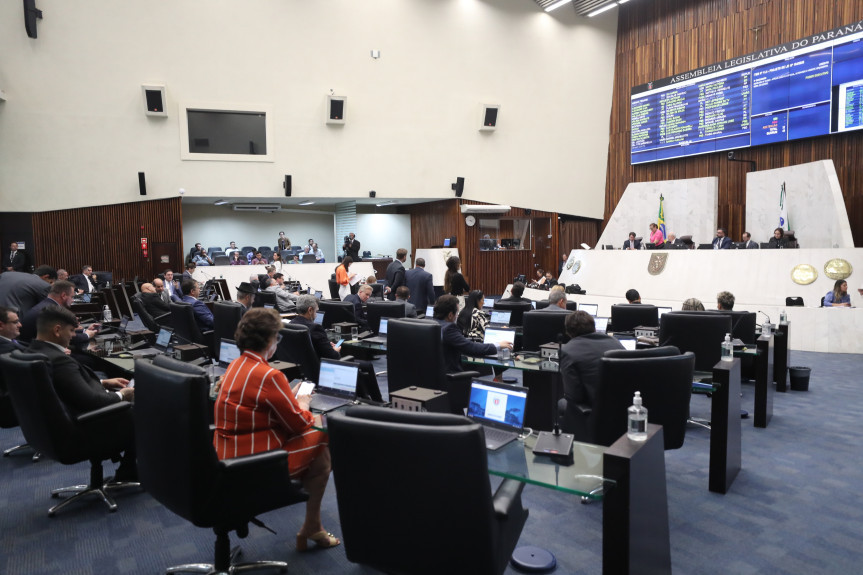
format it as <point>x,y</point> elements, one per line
<point>446,243</point>
<point>590,308</point>
<point>662,310</point>
<point>228,352</point>
<point>601,324</point>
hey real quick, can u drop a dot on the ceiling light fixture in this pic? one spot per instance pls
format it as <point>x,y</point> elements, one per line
<point>220,202</point>
<point>387,203</point>
<point>306,203</point>
<point>605,8</point>
<point>556,5</point>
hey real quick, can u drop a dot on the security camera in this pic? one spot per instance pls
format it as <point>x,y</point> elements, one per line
<point>182,191</point>
<point>730,155</point>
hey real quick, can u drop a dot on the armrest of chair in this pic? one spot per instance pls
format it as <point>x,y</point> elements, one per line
<point>100,416</point>
<point>507,498</point>
<point>583,409</point>
<point>265,462</point>
<point>164,316</point>
<point>462,375</point>
<point>346,358</point>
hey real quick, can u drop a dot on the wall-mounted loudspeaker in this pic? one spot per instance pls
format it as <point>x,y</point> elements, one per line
<point>336,109</point>
<point>154,100</point>
<point>372,194</point>
<point>142,184</point>
<point>31,14</point>
<point>287,185</point>
<point>458,187</point>
<point>488,117</point>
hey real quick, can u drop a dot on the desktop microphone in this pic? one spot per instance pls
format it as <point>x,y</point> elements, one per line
<point>765,315</point>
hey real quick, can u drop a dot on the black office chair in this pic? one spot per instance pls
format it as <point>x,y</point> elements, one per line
<point>154,324</point>
<point>663,376</point>
<point>226,317</point>
<point>794,301</point>
<point>212,250</point>
<point>626,317</point>
<point>221,260</point>
<point>266,251</point>
<point>264,298</point>
<point>431,487</point>
<point>48,427</point>
<point>516,309</point>
<point>742,325</point>
<point>540,327</point>
<point>415,357</point>
<point>308,258</point>
<point>171,409</point>
<point>377,291</point>
<point>367,254</point>
<point>296,347</point>
<point>700,332</point>
<point>287,255</point>
<point>542,304</point>
<point>9,420</point>
<point>336,312</point>
<point>334,288</point>
<point>375,310</point>
<point>186,328</point>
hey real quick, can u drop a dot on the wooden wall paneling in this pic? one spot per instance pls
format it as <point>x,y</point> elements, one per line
<point>108,237</point>
<point>666,37</point>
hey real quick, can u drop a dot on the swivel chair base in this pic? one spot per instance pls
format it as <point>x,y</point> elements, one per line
<point>223,544</point>
<point>22,447</point>
<point>96,487</point>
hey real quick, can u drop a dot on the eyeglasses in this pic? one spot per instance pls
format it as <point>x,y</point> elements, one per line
<point>278,337</point>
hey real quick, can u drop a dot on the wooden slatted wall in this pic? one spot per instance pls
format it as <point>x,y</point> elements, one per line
<point>577,231</point>
<point>108,237</point>
<point>660,38</point>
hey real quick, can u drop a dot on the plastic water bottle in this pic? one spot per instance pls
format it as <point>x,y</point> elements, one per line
<point>783,317</point>
<point>727,348</point>
<point>637,419</point>
<point>106,313</point>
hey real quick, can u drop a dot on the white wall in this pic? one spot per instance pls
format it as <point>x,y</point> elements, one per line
<point>73,132</point>
<point>383,234</point>
<point>219,225</point>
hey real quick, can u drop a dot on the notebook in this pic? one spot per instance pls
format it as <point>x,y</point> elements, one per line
<point>601,324</point>
<point>382,332</point>
<point>500,318</point>
<point>337,385</point>
<point>590,308</point>
<point>498,335</point>
<point>499,408</point>
<point>319,318</point>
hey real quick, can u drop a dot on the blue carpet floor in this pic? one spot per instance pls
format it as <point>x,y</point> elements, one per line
<point>795,507</point>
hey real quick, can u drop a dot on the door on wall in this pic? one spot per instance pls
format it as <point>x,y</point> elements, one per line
<point>165,256</point>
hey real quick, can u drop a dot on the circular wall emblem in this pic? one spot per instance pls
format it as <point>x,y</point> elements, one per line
<point>804,274</point>
<point>837,269</point>
<point>576,265</point>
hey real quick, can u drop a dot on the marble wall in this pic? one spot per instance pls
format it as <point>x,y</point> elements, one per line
<point>690,209</point>
<point>816,209</point>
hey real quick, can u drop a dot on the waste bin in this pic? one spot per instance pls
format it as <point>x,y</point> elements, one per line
<point>799,377</point>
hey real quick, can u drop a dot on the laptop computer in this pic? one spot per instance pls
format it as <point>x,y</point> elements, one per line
<point>319,294</point>
<point>319,317</point>
<point>337,385</point>
<point>228,352</point>
<point>161,347</point>
<point>628,343</point>
<point>497,335</point>
<point>499,408</point>
<point>590,308</point>
<point>500,318</point>
<point>662,310</point>
<point>382,332</point>
<point>601,324</point>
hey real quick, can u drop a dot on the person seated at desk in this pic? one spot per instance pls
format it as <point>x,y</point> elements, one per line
<point>285,300</point>
<point>152,300</point>
<point>839,296</point>
<point>539,282</point>
<point>203,315</point>
<point>556,302</point>
<point>60,295</point>
<point>632,243</point>
<point>403,294</point>
<point>454,342</point>
<point>722,241</point>
<point>725,301</point>
<point>748,242</point>
<point>10,328</point>
<point>515,294</point>
<point>778,240</point>
<point>256,411</point>
<point>580,361</point>
<point>472,320</point>
<point>692,304</point>
<point>358,299</point>
<point>656,237</point>
<point>632,296</point>
<point>295,259</point>
<point>202,259</point>
<point>237,259</point>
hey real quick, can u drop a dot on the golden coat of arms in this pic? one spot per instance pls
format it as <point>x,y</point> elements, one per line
<point>804,274</point>
<point>837,269</point>
<point>656,264</point>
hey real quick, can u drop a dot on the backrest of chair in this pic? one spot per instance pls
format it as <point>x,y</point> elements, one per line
<point>221,260</point>
<point>226,317</point>
<point>334,288</point>
<point>336,312</point>
<point>263,298</point>
<point>570,305</point>
<point>377,290</point>
<point>46,424</point>
<point>308,258</point>
<point>540,327</point>
<point>375,310</point>
<point>742,325</point>
<point>185,326</point>
<point>176,458</point>
<point>516,309</point>
<point>247,249</point>
<point>414,354</point>
<point>702,333</point>
<point>138,308</point>
<point>542,304</point>
<point>296,347</point>
<point>665,384</point>
<point>628,316</point>
<point>794,301</point>
<point>213,249</point>
<point>661,351</point>
<point>435,462</point>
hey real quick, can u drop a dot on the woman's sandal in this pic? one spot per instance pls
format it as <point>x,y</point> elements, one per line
<point>320,539</point>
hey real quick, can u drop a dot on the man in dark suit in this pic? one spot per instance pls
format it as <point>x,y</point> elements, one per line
<point>85,282</point>
<point>420,282</point>
<point>358,299</point>
<point>307,307</point>
<point>21,291</point>
<point>632,243</point>
<point>61,295</point>
<point>10,327</point>
<point>203,315</point>
<point>187,275</point>
<point>556,302</point>
<point>172,287</point>
<point>352,247</point>
<point>454,342</point>
<point>78,387</point>
<point>152,300</point>
<point>396,272</point>
<point>17,260</point>
<point>404,294</point>
<point>580,363</point>
<point>515,293</point>
<point>721,241</point>
<point>749,243</point>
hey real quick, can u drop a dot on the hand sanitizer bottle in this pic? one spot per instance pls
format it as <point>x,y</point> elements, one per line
<point>637,419</point>
<point>783,317</point>
<point>727,348</point>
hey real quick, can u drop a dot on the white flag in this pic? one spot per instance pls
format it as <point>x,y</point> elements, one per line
<point>783,210</point>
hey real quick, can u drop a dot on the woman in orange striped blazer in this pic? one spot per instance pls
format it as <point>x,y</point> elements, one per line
<point>257,411</point>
